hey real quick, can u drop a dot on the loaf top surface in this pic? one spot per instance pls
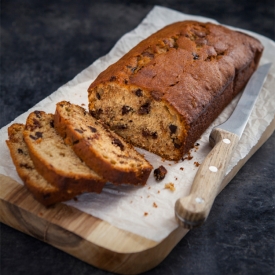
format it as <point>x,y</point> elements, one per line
<point>210,55</point>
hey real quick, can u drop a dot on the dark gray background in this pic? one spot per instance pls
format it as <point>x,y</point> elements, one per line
<point>44,44</point>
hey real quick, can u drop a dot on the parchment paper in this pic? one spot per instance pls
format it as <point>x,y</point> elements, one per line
<point>149,211</point>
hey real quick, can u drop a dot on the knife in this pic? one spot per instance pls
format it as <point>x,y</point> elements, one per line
<point>191,211</point>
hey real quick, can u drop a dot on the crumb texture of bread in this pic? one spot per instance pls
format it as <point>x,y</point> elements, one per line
<point>164,93</point>
<point>101,149</point>
<point>42,191</point>
<point>55,160</point>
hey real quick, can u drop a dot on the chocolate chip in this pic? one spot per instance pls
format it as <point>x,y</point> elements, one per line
<point>126,109</point>
<point>25,165</point>
<point>195,56</point>
<point>37,135</point>
<point>160,173</point>
<point>146,133</point>
<point>138,92</point>
<point>92,129</point>
<point>20,151</point>
<point>36,123</point>
<point>96,113</point>
<point>172,85</point>
<point>52,123</point>
<point>79,131</point>
<point>118,143</point>
<point>177,144</point>
<point>173,128</point>
<point>98,96</point>
<point>121,126</point>
<point>113,78</point>
<point>37,113</point>
<point>144,109</point>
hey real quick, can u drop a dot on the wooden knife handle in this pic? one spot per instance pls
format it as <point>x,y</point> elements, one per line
<point>192,211</point>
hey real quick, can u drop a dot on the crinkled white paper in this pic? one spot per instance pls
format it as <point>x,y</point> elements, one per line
<point>125,206</point>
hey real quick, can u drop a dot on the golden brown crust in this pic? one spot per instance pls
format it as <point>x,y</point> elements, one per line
<point>186,66</point>
<point>119,163</point>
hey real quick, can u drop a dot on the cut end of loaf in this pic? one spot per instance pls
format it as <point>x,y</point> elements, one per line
<point>164,93</point>
<point>141,117</point>
<point>101,149</point>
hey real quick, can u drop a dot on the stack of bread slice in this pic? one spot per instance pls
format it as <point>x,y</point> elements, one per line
<point>66,154</point>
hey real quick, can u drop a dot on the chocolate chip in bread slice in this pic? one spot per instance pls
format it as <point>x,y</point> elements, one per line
<point>42,190</point>
<point>55,160</point>
<point>101,149</point>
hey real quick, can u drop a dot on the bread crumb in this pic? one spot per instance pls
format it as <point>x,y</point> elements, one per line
<point>155,205</point>
<point>181,168</point>
<point>158,191</point>
<point>197,164</point>
<point>188,157</point>
<point>145,213</point>
<point>170,186</point>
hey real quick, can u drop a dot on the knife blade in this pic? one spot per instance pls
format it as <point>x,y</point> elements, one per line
<point>191,211</point>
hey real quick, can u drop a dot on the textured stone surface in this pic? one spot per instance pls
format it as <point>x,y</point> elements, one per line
<point>44,44</point>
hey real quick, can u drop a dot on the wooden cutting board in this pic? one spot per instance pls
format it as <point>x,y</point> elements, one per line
<point>86,237</point>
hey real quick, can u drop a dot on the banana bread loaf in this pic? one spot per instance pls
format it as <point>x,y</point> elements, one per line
<point>55,160</point>
<point>164,93</point>
<point>101,149</point>
<point>42,191</point>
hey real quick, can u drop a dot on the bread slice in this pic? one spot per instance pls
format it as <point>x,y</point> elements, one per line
<point>42,190</point>
<point>101,149</point>
<point>55,160</point>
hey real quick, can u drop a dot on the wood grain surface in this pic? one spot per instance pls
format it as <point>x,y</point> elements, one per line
<point>86,237</point>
